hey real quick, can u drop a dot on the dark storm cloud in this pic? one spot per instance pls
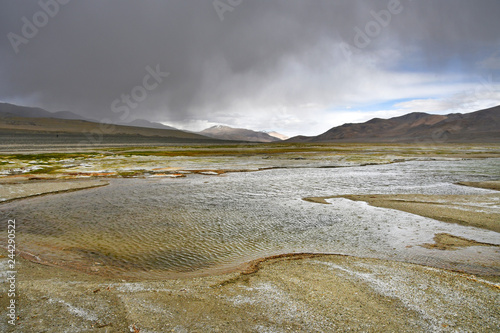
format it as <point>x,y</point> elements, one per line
<point>262,52</point>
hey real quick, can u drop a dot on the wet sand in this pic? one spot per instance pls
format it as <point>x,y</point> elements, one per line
<point>304,293</point>
<point>471,210</point>
<point>15,190</point>
<point>489,185</point>
<point>444,241</point>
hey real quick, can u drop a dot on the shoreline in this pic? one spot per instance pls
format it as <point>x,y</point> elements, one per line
<point>277,292</point>
<point>488,185</point>
<point>470,210</point>
<point>244,269</point>
<point>44,186</point>
<point>442,241</point>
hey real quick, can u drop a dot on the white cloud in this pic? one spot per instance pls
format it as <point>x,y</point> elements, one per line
<point>478,96</point>
<point>299,94</point>
<point>308,116</point>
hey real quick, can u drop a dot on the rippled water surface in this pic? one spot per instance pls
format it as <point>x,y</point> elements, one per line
<point>156,227</point>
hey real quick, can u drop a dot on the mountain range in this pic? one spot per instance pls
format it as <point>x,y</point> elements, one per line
<point>7,109</point>
<point>17,122</point>
<point>416,127</point>
<point>23,118</point>
<point>11,110</point>
<point>479,126</point>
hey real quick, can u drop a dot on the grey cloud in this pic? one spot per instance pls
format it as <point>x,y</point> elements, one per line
<point>263,52</point>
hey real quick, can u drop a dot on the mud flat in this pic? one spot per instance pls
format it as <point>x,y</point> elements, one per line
<point>444,241</point>
<point>472,210</point>
<point>11,190</point>
<point>490,185</point>
<point>300,293</point>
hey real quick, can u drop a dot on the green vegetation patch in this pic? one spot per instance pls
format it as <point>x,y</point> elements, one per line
<point>50,156</point>
<point>126,174</point>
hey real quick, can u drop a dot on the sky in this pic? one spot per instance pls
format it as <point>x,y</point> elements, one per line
<point>295,67</point>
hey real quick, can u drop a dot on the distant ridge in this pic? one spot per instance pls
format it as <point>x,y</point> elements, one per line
<point>7,109</point>
<point>238,134</point>
<point>479,126</point>
<point>19,121</point>
<point>147,124</point>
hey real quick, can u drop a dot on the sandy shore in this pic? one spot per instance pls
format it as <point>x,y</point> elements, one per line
<point>444,241</point>
<point>311,293</point>
<point>490,185</point>
<point>473,210</point>
<point>11,190</point>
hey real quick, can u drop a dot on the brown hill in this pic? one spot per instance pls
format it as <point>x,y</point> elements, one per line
<point>20,133</point>
<point>479,126</point>
<point>55,125</point>
<point>13,110</point>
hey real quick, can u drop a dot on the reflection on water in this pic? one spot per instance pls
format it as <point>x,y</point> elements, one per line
<point>151,228</point>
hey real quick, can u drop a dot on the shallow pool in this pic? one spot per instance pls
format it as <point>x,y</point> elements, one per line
<point>159,227</point>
